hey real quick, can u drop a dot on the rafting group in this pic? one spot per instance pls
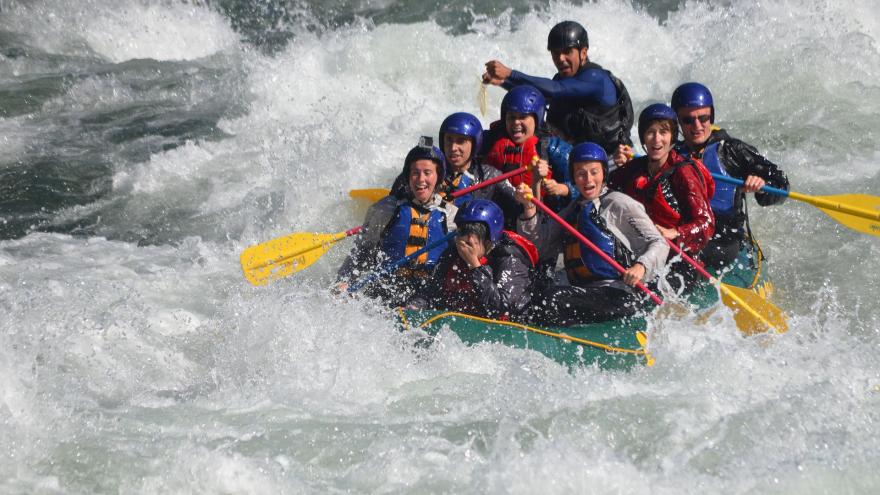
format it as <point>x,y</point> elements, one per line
<point>515,248</point>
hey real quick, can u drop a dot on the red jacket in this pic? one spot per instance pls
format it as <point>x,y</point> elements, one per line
<point>679,197</point>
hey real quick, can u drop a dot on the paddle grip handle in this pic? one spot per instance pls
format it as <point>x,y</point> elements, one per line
<point>608,259</point>
<point>354,230</point>
<point>386,269</point>
<point>739,182</point>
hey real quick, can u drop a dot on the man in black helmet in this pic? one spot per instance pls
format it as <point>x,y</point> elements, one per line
<point>587,102</point>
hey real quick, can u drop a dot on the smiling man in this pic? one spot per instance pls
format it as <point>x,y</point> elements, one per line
<point>724,155</point>
<point>587,102</point>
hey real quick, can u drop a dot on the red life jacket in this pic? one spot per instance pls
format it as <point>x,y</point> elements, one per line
<point>656,192</point>
<point>524,244</point>
<point>506,156</point>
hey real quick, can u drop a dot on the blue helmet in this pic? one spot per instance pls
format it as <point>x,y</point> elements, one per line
<point>465,124</point>
<point>524,99</point>
<point>693,94</point>
<point>587,152</point>
<point>657,111</point>
<point>485,211</point>
<point>426,150</point>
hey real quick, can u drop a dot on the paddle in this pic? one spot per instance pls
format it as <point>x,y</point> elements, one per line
<point>286,255</point>
<point>377,194</point>
<point>371,195</point>
<point>573,231</point>
<point>283,256</point>
<point>852,210</point>
<point>752,313</point>
<point>389,268</point>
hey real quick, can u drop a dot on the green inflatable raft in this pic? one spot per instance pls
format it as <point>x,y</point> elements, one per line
<point>615,344</point>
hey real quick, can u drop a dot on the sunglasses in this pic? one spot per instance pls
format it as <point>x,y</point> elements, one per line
<point>690,120</point>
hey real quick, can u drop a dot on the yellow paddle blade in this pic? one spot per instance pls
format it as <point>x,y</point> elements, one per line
<point>848,209</point>
<point>372,195</point>
<point>752,313</point>
<point>283,256</point>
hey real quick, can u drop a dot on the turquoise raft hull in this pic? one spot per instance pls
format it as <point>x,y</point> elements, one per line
<point>615,344</point>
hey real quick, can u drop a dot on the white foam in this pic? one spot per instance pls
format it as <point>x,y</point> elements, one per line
<point>120,31</point>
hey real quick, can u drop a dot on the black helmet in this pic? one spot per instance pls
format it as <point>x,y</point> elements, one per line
<point>567,34</point>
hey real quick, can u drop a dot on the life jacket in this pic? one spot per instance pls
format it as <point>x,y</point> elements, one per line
<point>724,200</point>
<point>579,120</point>
<point>461,288</point>
<point>457,183</point>
<point>582,264</point>
<point>410,229</point>
<point>507,156</point>
<point>657,194</point>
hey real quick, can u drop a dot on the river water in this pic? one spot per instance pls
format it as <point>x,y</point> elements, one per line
<point>145,144</point>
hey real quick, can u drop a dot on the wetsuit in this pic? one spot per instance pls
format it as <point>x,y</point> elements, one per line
<point>592,105</point>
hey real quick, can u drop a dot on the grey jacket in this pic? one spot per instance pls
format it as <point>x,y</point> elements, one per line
<point>626,219</point>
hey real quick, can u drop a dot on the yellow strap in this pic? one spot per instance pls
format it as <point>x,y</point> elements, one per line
<point>638,352</point>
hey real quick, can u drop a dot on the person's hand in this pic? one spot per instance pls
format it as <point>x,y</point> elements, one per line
<point>753,183</point>
<point>523,191</point>
<point>496,73</point>
<point>670,234</point>
<point>623,154</point>
<point>340,288</point>
<point>634,274</point>
<point>555,188</point>
<point>543,168</point>
<point>471,249</point>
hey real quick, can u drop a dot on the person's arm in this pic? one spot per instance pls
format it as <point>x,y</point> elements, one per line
<point>746,161</point>
<point>648,245</point>
<point>698,221</point>
<point>558,151</point>
<point>590,84</point>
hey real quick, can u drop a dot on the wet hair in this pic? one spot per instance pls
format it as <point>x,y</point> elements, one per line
<point>479,229</point>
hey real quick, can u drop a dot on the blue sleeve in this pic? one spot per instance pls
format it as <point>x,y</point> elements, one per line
<point>557,152</point>
<point>590,84</point>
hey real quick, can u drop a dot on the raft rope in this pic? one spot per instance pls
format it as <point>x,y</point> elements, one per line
<point>641,337</point>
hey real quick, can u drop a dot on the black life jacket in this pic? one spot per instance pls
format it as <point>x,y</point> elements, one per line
<point>580,120</point>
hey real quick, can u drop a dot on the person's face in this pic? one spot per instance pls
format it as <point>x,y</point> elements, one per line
<point>458,149</point>
<point>588,178</point>
<point>658,141</point>
<point>422,179</point>
<point>520,126</point>
<point>695,125</point>
<point>568,61</point>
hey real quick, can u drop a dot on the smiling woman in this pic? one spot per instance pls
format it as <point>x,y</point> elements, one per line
<point>398,227</point>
